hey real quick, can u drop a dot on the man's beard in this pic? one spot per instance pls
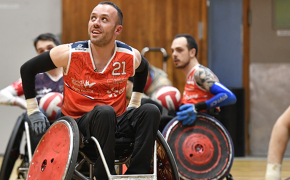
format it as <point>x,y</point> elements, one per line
<point>182,66</point>
<point>103,41</point>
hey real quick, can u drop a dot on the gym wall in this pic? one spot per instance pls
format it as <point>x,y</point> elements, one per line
<point>269,76</point>
<point>225,59</point>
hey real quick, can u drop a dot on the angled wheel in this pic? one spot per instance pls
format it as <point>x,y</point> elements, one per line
<point>166,165</point>
<point>12,149</point>
<point>56,154</point>
<point>203,150</point>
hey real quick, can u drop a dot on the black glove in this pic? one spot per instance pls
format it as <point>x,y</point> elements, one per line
<point>38,123</point>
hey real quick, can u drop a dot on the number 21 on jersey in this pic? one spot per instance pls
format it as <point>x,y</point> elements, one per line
<point>118,66</point>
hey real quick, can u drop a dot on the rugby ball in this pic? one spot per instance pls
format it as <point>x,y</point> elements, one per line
<point>51,104</point>
<point>168,96</point>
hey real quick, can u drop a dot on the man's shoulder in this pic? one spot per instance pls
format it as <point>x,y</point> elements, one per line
<point>80,45</point>
<point>202,68</point>
<point>122,45</point>
<point>202,72</point>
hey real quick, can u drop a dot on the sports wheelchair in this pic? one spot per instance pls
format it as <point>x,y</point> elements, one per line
<point>203,150</point>
<point>61,154</point>
<point>14,153</point>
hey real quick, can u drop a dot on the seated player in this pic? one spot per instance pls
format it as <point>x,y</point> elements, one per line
<point>50,81</point>
<point>202,92</point>
<point>95,77</point>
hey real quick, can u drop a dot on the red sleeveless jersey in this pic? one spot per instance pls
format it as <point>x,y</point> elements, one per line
<point>84,88</point>
<point>193,93</point>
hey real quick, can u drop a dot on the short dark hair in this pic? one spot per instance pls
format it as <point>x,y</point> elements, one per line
<point>120,14</point>
<point>47,37</point>
<point>191,43</point>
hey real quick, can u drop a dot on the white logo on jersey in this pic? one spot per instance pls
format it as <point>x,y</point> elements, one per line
<point>81,83</point>
<point>114,92</point>
<point>80,48</point>
<point>45,90</point>
<point>190,80</point>
<point>87,83</point>
<point>191,97</point>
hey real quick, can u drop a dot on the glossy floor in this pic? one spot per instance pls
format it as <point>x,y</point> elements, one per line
<point>247,168</point>
<point>255,168</point>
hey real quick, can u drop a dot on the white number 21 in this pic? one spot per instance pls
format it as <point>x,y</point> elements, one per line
<point>118,66</point>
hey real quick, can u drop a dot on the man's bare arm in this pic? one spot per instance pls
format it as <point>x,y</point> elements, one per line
<point>205,78</point>
<point>137,59</point>
<point>140,78</point>
<point>60,56</point>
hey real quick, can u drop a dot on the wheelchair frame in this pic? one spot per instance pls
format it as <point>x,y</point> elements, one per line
<point>17,135</point>
<point>73,165</point>
<point>15,140</point>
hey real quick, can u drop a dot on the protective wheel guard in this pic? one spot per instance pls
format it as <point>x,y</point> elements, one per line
<point>56,153</point>
<point>12,149</point>
<point>203,150</point>
<point>166,165</point>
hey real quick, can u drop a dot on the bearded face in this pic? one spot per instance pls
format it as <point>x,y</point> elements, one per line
<point>103,25</point>
<point>180,53</point>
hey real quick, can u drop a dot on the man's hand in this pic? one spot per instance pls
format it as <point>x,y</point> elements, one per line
<point>187,114</point>
<point>38,123</point>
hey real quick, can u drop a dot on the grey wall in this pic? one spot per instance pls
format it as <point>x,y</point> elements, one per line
<point>269,76</point>
<point>269,63</point>
<point>265,45</point>
<point>270,96</point>
<point>21,21</point>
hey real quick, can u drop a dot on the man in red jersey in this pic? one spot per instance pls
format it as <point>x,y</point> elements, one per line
<point>95,76</point>
<point>203,91</point>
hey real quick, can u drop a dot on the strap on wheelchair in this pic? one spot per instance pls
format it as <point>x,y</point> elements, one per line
<point>82,140</point>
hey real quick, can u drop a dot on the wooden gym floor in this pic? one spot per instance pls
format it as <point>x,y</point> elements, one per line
<point>244,168</point>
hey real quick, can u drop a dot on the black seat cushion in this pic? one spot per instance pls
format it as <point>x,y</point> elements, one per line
<point>123,148</point>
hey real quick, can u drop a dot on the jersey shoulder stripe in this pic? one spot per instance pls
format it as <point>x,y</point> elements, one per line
<point>80,46</point>
<point>123,45</point>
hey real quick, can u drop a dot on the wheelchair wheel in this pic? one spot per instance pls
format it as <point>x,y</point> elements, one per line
<point>203,150</point>
<point>166,165</point>
<point>12,149</point>
<point>56,154</point>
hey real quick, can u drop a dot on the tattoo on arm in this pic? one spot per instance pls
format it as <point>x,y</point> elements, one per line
<point>204,77</point>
